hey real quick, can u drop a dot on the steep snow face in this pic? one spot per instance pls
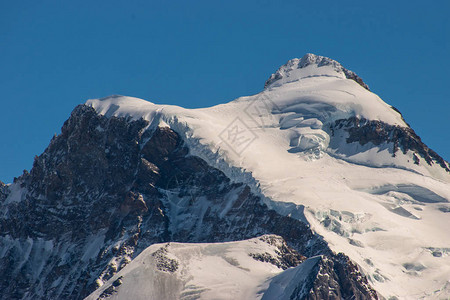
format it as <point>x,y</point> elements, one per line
<point>379,200</point>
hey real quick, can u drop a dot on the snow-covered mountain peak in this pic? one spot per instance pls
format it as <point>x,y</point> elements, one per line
<point>256,196</point>
<point>311,65</point>
<point>309,59</point>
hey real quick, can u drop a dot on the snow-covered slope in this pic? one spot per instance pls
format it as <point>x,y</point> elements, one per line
<point>258,268</point>
<point>198,271</point>
<point>317,137</point>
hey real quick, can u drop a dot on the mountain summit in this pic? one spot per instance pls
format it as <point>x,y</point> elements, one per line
<point>312,188</point>
<point>311,65</point>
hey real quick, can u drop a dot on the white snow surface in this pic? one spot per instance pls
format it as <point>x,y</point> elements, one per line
<point>204,271</point>
<point>387,213</point>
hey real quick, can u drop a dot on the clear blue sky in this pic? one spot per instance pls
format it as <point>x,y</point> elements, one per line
<point>56,54</point>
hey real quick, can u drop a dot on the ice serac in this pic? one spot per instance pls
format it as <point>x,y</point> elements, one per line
<point>313,188</point>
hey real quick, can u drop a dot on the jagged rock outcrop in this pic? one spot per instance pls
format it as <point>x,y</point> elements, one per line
<point>286,256</point>
<point>336,278</point>
<point>312,59</point>
<point>4,191</point>
<point>107,188</point>
<point>401,138</point>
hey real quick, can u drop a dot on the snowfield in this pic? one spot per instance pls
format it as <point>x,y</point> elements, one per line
<point>210,271</point>
<point>388,214</point>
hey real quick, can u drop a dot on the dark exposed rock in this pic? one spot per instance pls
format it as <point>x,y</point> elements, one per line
<point>332,278</point>
<point>112,289</point>
<point>339,278</point>
<point>83,185</point>
<point>133,203</point>
<point>286,257</point>
<point>326,277</point>
<point>352,283</point>
<point>4,191</point>
<point>352,75</point>
<point>164,263</point>
<point>401,138</point>
<point>107,188</point>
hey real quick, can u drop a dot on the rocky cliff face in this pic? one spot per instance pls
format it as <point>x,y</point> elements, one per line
<point>399,138</point>
<point>329,280</point>
<point>107,188</point>
<point>4,191</point>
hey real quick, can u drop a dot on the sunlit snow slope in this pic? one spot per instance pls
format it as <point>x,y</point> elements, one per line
<point>183,271</point>
<point>316,136</point>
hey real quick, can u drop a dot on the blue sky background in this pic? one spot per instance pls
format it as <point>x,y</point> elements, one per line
<point>56,54</point>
